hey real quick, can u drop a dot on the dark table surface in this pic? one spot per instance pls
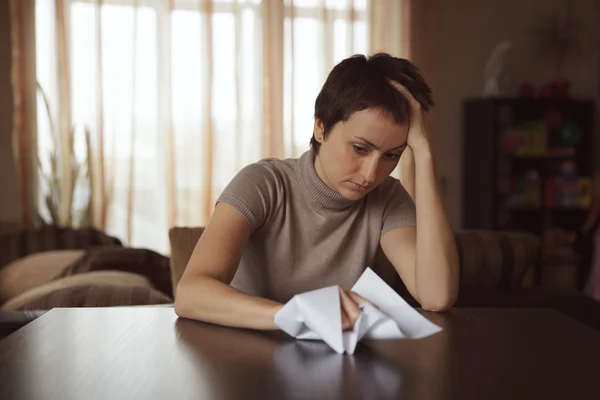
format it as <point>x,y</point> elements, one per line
<point>148,353</point>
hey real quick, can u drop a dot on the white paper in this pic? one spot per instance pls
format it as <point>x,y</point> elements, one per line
<point>317,315</point>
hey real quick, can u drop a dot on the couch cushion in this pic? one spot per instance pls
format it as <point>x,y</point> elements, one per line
<point>488,259</point>
<point>183,241</point>
<point>144,262</point>
<point>92,289</point>
<point>14,245</point>
<point>34,270</point>
<point>495,259</point>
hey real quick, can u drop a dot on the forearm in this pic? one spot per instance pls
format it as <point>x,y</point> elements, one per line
<point>407,172</point>
<point>210,300</point>
<point>436,270</point>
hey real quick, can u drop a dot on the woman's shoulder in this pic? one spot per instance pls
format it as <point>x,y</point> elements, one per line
<point>389,187</point>
<point>258,189</point>
<point>268,177</point>
<point>271,168</point>
<point>393,202</point>
<point>390,193</point>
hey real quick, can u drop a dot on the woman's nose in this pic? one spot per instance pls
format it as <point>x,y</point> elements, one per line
<point>369,171</point>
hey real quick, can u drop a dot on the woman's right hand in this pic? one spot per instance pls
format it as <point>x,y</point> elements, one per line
<point>350,302</point>
<point>204,292</point>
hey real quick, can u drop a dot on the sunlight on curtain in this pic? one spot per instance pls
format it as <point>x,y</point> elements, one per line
<point>174,95</point>
<point>318,35</point>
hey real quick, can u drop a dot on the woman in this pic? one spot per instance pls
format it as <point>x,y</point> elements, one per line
<point>284,227</point>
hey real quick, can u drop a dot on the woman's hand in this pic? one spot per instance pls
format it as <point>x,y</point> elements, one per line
<point>350,302</point>
<point>418,134</point>
<point>425,258</point>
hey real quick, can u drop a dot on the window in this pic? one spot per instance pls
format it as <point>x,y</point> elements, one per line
<point>146,79</point>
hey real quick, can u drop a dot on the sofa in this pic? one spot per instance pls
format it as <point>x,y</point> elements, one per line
<point>489,261</point>
<point>58,267</point>
<point>50,267</point>
<point>493,268</point>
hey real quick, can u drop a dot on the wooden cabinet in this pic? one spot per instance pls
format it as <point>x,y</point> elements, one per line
<point>528,165</point>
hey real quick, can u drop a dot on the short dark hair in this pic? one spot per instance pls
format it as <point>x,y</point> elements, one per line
<point>360,82</point>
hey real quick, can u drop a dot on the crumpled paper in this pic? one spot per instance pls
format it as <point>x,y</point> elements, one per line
<point>317,315</point>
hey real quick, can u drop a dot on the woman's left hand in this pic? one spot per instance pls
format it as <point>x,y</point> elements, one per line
<point>418,134</point>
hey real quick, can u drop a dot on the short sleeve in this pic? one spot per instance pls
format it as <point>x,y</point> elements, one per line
<point>254,191</point>
<point>400,210</point>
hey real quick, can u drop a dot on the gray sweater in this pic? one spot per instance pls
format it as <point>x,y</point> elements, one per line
<point>305,235</point>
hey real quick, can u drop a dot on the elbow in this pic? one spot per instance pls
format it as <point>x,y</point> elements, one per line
<point>179,310</point>
<point>436,306</point>
<point>439,303</point>
<point>443,296</point>
<point>189,300</point>
<point>180,305</point>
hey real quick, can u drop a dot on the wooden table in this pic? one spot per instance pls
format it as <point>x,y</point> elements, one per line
<point>148,353</point>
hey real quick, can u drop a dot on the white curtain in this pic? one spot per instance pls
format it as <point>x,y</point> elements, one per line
<point>177,96</point>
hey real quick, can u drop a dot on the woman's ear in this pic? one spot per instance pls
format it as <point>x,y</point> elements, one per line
<point>319,131</point>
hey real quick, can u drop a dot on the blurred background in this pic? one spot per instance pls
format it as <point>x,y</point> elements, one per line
<point>132,116</point>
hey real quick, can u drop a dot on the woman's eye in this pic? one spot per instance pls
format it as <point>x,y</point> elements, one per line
<point>359,149</point>
<point>392,156</point>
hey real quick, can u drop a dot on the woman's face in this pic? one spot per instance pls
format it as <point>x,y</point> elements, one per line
<point>359,154</point>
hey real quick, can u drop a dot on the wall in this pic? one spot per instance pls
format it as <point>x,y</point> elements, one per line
<point>9,205</point>
<point>453,39</point>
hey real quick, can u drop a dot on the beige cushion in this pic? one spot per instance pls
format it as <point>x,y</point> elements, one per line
<point>183,241</point>
<point>83,290</point>
<point>495,259</point>
<point>34,270</point>
<point>145,262</point>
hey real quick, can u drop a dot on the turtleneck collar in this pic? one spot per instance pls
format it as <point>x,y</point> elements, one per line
<point>316,189</point>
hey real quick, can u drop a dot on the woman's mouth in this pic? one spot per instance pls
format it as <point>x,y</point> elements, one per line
<point>357,187</point>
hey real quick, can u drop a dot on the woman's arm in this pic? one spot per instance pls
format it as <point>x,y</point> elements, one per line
<point>426,257</point>
<point>204,293</point>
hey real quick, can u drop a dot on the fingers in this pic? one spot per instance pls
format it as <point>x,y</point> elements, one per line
<point>358,299</point>
<point>406,93</point>
<point>350,310</point>
<point>346,323</point>
<point>349,302</point>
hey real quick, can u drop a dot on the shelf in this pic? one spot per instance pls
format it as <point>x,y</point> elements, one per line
<point>503,144</point>
<point>538,157</point>
<point>547,210</point>
<point>504,141</point>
